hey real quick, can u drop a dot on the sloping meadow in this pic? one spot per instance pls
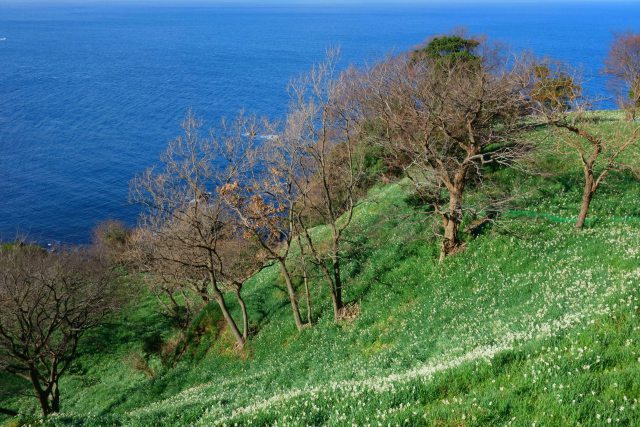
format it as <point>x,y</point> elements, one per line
<point>534,322</point>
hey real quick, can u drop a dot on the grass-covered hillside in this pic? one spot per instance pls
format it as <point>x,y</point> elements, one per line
<point>533,323</point>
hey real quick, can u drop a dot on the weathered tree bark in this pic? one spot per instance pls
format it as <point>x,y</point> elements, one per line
<point>452,218</point>
<point>587,194</point>
<point>292,295</point>
<point>450,241</point>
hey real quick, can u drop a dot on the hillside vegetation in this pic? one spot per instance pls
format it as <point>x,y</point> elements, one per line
<point>532,323</point>
<point>450,236</point>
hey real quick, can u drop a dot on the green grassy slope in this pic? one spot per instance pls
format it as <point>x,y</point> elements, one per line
<point>534,323</point>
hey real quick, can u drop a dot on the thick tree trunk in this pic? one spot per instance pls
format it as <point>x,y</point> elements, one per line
<point>292,295</point>
<point>451,223</point>
<point>587,195</point>
<point>45,405</point>
<point>245,318</point>
<point>450,241</point>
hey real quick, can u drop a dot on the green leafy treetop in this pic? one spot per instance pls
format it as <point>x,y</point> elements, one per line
<point>448,48</point>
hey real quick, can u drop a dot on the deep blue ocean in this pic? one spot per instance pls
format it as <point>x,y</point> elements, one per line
<point>89,96</point>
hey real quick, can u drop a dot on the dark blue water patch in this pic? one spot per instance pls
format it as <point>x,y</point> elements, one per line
<point>89,96</point>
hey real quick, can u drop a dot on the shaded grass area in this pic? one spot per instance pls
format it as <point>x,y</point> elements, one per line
<point>534,322</point>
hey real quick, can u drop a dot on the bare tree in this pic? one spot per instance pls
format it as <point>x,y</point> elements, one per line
<point>448,110</point>
<point>48,302</point>
<point>241,259</point>
<point>560,102</point>
<point>263,195</point>
<point>186,226</point>
<point>173,294</point>
<point>323,124</point>
<point>623,66</point>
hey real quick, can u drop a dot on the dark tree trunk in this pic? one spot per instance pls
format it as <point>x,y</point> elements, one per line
<point>41,394</point>
<point>292,295</point>
<point>55,397</point>
<point>587,194</point>
<point>334,303</point>
<point>337,276</point>
<point>337,280</point>
<point>43,398</point>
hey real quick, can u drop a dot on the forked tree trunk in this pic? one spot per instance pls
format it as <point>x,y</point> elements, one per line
<point>217,295</point>
<point>292,295</point>
<point>41,394</point>
<point>587,194</point>
<point>321,262</point>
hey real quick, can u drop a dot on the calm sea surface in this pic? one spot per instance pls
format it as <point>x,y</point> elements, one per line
<point>89,96</point>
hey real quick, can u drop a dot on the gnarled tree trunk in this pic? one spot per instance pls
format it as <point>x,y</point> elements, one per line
<point>452,218</point>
